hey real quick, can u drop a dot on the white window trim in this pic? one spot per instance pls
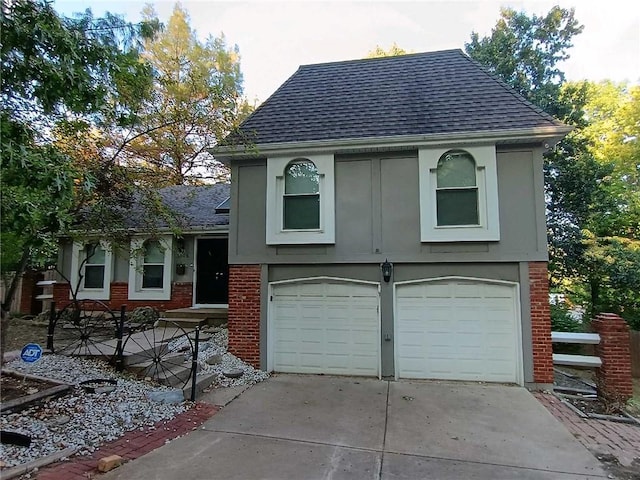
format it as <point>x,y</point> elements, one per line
<point>276,234</point>
<point>487,182</point>
<point>77,257</point>
<point>136,292</point>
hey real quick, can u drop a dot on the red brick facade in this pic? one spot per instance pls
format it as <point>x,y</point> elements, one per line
<point>181,297</point>
<point>540,323</point>
<point>244,312</point>
<point>614,377</point>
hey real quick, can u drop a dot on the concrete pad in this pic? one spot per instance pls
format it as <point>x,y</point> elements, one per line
<point>490,424</point>
<point>221,396</point>
<point>410,467</point>
<point>205,455</point>
<point>343,411</point>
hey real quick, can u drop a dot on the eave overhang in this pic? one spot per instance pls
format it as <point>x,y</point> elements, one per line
<point>547,136</point>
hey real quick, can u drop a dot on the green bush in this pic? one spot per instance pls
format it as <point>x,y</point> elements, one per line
<point>561,320</point>
<point>144,315</point>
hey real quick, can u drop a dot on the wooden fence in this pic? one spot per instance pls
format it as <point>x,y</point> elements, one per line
<point>635,354</point>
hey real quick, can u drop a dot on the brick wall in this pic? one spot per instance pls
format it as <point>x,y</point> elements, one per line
<point>244,312</point>
<point>181,297</point>
<point>614,377</point>
<point>540,323</point>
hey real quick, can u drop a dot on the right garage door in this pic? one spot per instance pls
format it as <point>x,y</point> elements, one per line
<point>457,330</point>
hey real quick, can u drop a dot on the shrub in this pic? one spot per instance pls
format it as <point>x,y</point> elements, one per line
<point>144,315</point>
<point>561,319</point>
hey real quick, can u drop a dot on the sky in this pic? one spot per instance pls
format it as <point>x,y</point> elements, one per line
<point>275,38</point>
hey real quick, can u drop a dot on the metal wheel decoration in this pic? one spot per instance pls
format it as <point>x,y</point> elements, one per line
<point>164,354</point>
<point>84,328</point>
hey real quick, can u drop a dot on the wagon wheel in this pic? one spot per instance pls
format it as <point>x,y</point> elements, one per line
<point>85,328</point>
<point>163,354</point>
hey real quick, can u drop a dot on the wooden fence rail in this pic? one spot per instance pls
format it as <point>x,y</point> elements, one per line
<point>635,354</point>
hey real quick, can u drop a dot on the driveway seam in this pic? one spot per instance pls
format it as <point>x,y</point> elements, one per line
<point>384,436</point>
<point>383,451</point>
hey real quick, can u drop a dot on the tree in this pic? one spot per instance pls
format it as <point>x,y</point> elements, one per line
<point>525,51</point>
<point>197,94</point>
<point>393,51</point>
<point>591,177</point>
<point>62,74</point>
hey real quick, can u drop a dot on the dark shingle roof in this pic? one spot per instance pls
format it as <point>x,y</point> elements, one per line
<point>193,206</point>
<point>418,94</point>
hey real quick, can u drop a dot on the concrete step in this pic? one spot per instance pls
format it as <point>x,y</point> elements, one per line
<point>189,323</point>
<point>202,381</point>
<point>173,377</point>
<point>164,360</point>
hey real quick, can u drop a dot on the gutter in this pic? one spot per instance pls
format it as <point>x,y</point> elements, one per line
<point>548,136</point>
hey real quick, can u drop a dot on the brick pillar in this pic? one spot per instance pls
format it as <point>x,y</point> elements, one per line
<point>540,323</point>
<point>244,313</point>
<point>614,377</point>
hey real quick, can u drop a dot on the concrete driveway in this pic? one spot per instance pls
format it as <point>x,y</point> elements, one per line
<point>318,427</point>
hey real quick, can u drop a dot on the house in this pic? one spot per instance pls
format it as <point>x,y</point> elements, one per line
<point>164,271</point>
<point>390,222</point>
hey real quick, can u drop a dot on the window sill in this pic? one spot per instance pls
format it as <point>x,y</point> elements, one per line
<point>150,295</point>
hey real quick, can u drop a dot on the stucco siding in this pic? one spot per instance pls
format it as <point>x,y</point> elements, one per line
<point>378,214</point>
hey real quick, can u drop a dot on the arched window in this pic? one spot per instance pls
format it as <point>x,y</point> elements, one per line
<point>301,200</point>
<point>456,189</point>
<point>153,265</point>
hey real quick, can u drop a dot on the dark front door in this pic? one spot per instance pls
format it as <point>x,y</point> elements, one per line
<point>212,282</point>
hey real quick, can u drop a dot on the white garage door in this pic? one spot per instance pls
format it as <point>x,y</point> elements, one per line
<point>324,327</point>
<point>457,330</point>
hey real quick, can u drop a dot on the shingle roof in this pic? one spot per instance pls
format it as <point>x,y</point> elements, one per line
<point>194,206</point>
<point>418,94</point>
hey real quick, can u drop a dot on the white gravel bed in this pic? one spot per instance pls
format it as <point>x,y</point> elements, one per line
<point>84,420</point>
<point>217,345</point>
<point>81,420</point>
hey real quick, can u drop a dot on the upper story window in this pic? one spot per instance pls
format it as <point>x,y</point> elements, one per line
<point>91,269</point>
<point>458,194</point>
<point>456,190</point>
<point>150,267</point>
<point>301,202</point>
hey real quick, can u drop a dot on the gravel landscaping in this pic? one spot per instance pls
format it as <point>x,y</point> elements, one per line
<point>83,421</point>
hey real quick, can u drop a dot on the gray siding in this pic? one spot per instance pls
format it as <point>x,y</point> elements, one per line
<point>378,214</point>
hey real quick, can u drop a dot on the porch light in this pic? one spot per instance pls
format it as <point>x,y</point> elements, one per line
<point>387,269</point>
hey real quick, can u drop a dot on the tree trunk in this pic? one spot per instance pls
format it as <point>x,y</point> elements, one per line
<point>6,301</point>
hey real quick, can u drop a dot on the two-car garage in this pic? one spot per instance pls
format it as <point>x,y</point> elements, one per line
<point>447,328</point>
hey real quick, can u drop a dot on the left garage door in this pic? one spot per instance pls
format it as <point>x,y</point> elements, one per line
<point>324,327</point>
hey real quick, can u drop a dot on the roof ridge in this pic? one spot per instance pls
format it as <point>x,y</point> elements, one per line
<point>378,59</point>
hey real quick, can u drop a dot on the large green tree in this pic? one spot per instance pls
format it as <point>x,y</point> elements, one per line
<point>591,176</point>
<point>197,94</point>
<point>62,76</point>
<point>525,52</point>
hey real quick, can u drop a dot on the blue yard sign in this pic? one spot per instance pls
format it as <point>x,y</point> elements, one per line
<point>31,352</point>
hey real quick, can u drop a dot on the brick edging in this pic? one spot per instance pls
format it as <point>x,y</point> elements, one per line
<point>131,445</point>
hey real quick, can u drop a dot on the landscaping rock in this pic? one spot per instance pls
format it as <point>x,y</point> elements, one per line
<point>166,396</point>
<point>109,463</point>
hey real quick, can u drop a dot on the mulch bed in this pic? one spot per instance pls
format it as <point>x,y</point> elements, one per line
<point>12,387</point>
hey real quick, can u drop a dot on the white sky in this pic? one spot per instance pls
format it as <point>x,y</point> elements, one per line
<point>276,37</point>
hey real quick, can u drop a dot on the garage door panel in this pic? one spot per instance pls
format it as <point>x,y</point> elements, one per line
<point>336,324</point>
<point>458,330</point>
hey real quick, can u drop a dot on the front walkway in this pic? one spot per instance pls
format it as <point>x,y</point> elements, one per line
<point>601,437</point>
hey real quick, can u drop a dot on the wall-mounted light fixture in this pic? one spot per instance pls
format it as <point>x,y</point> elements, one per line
<point>387,270</point>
